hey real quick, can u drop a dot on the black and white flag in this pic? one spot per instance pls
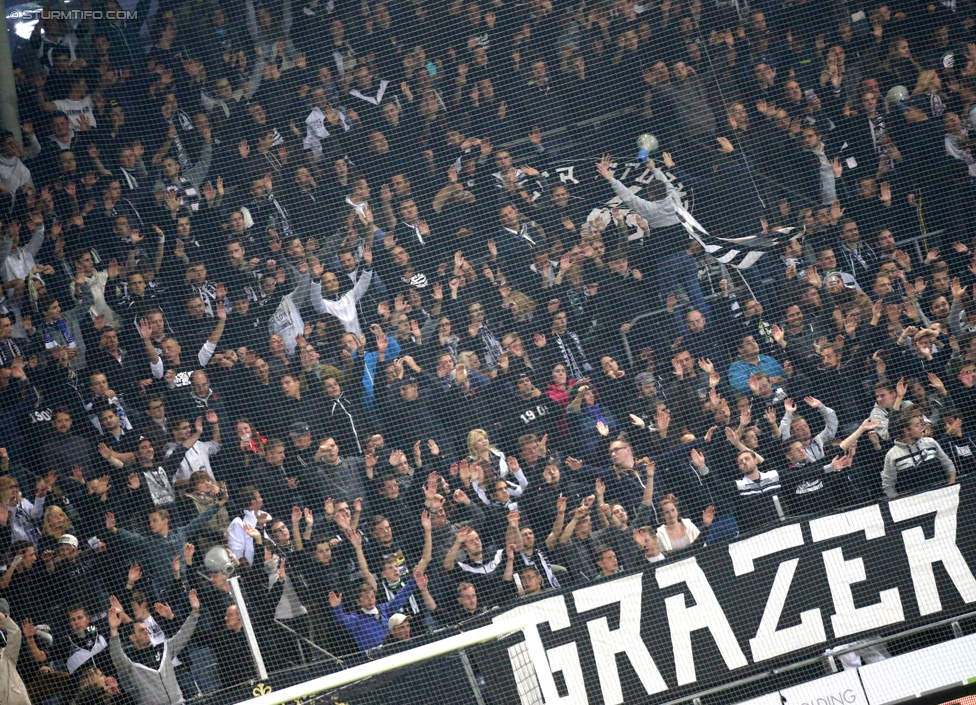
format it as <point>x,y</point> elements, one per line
<point>739,253</point>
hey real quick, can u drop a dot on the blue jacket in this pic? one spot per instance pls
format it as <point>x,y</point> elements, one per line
<point>368,631</point>
<point>370,361</point>
<point>740,370</point>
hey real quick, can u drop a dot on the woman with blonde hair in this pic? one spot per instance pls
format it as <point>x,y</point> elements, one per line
<point>522,309</point>
<point>481,453</point>
<point>202,493</point>
<point>56,525</point>
<point>24,517</point>
<point>677,532</point>
<point>900,64</point>
<point>928,96</point>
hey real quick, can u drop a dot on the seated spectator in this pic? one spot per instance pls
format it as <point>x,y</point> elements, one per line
<point>646,539</point>
<point>677,532</point>
<point>82,645</point>
<point>751,362</point>
<point>956,440</point>
<point>791,426</point>
<point>26,518</point>
<point>369,625</point>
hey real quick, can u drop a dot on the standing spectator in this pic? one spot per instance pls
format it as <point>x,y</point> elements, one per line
<point>151,668</point>
<point>13,692</point>
<point>915,462</point>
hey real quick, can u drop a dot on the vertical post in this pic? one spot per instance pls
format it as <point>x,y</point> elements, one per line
<point>472,680</point>
<point>8,91</point>
<point>252,641</point>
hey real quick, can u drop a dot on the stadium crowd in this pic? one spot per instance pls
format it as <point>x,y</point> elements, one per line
<point>272,283</point>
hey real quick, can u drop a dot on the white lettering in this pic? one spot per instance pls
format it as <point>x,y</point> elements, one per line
<point>841,574</point>
<point>625,639</point>
<point>768,642</point>
<point>566,174</point>
<point>563,658</point>
<point>923,552</point>
<point>705,614</point>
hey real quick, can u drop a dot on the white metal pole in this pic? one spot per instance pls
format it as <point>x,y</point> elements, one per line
<point>8,90</point>
<point>405,658</point>
<point>252,641</point>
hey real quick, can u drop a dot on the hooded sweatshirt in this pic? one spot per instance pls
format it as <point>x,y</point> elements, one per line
<point>155,686</point>
<point>908,468</point>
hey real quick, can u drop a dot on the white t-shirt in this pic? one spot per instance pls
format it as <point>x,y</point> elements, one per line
<point>197,458</point>
<point>74,109</point>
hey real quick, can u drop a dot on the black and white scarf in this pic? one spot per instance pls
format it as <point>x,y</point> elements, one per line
<point>85,646</point>
<point>9,351</point>
<point>483,567</point>
<point>575,360</point>
<point>537,561</point>
<point>391,593</point>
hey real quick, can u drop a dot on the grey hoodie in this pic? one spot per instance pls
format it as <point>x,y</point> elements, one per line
<point>12,690</point>
<point>155,687</point>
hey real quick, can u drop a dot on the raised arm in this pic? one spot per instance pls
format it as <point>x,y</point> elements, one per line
<point>451,558</point>
<point>178,642</point>
<point>509,563</point>
<point>519,477</point>
<point>580,512</point>
<point>557,525</point>
<point>829,417</point>
<point>357,543</point>
<point>119,659</point>
<point>513,534</point>
<point>866,426</point>
<point>155,364</point>
<point>197,173</point>
<point>647,499</point>
<point>366,277</point>
<point>421,580</point>
<point>29,631</point>
<point>427,552</point>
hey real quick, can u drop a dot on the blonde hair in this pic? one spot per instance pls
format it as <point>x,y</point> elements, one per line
<point>47,529</point>
<point>7,483</point>
<point>524,303</point>
<point>473,436</point>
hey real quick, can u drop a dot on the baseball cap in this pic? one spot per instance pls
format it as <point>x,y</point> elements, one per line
<point>299,428</point>
<point>398,619</point>
<point>68,540</point>
<point>408,380</point>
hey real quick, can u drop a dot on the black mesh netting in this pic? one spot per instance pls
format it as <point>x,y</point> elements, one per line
<point>332,329</point>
